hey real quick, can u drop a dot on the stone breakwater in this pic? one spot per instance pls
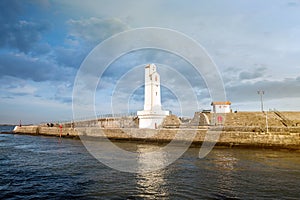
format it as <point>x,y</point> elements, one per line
<point>275,137</point>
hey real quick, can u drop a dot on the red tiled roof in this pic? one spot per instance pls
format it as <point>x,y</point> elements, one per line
<point>220,103</point>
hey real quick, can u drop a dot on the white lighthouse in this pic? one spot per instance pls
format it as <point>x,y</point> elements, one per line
<point>152,116</point>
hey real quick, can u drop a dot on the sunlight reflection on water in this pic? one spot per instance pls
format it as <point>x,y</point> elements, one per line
<point>40,167</point>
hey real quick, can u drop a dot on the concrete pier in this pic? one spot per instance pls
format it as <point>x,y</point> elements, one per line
<point>244,129</point>
<point>287,138</point>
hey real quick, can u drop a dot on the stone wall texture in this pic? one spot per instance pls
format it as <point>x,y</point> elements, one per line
<point>269,129</point>
<point>230,136</point>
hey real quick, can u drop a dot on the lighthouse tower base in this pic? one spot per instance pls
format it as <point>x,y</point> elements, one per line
<point>151,119</point>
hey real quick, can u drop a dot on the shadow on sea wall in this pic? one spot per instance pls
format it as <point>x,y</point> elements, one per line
<point>287,138</point>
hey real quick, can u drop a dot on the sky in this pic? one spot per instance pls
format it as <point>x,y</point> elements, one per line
<point>254,45</point>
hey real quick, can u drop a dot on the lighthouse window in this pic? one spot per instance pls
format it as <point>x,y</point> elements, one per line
<point>156,93</point>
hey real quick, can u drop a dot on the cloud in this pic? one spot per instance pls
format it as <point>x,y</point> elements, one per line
<point>26,67</point>
<point>10,9</point>
<point>70,57</point>
<point>40,53</point>
<point>56,90</point>
<point>31,109</point>
<point>17,33</point>
<point>274,89</point>
<point>23,90</point>
<point>293,3</point>
<point>256,73</point>
<point>40,49</point>
<point>95,30</point>
<point>15,87</point>
<point>24,34</point>
<point>82,37</point>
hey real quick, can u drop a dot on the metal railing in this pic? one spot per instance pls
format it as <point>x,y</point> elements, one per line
<point>285,121</point>
<point>98,116</point>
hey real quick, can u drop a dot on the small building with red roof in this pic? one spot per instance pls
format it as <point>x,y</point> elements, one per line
<point>221,106</point>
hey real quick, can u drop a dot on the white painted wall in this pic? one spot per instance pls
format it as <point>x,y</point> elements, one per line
<point>148,119</point>
<point>152,116</point>
<point>221,108</point>
<point>152,88</point>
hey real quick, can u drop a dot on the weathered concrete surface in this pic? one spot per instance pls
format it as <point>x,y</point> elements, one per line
<point>41,130</point>
<point>230,136</point>
<point>259,119</point>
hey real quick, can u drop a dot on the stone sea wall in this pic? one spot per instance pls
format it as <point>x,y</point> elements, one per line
<point>274,137</point>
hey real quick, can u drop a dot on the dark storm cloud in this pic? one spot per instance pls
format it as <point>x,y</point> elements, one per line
<point>24,67</point>
<point>16,32</point>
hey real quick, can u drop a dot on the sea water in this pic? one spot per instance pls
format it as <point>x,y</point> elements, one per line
<point>53,168</point>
